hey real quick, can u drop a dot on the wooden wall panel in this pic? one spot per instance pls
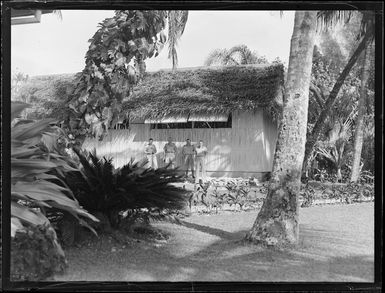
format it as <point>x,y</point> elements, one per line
<point>246,148</point>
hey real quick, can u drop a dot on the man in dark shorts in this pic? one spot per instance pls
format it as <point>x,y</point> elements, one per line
<point>188,152</point>
<point>170,153</point>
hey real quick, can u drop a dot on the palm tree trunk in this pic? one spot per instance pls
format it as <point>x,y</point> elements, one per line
<point>277,222</point>
<point>359,133</point>
<point>319,125</point>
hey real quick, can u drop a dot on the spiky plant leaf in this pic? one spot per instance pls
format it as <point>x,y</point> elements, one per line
<point>31,164</point>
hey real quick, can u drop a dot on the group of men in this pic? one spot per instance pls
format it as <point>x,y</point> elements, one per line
<point>194,157</point>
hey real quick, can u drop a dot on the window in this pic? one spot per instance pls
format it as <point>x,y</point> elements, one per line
<point>194,121</point>
<point>171,125</point>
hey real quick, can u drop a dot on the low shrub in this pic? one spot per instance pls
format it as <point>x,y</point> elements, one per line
<point>35,254</point>
<point>238,192</point>
<point>307,194</point>
<point>215,194</point>
<point>343,193</point>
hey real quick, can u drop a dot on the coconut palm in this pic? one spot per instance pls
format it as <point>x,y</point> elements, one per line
<point>277,222</point>
<point>365,37</point>
<point>237,55</point>
<point>177,20</point>
<point>359,133</point>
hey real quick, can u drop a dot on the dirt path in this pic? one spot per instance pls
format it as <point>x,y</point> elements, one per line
<point>336,244</point>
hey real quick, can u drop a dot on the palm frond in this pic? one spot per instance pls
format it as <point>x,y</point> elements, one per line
<point>246,55</point>
<point>177,20</point>
<point>237,55</point>
<point>133,186</point>
<point>58,14</point>
<point>215,57</point>
<point>327,19</point>
<point>17,108</point>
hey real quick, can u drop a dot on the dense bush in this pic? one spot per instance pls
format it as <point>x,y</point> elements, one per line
<point>134,188</point>
<point>35,254</point>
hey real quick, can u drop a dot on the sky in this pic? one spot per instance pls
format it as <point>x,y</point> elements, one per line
<point>56,46</point>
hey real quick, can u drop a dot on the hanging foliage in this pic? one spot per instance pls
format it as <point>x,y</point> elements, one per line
<point>114,63</point>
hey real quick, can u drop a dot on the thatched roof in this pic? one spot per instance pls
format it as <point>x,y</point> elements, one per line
<point>197,90</point>
<point>207,90</point>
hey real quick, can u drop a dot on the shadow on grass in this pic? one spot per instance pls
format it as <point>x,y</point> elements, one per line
<point>213,231</point>
<point>230,259</point>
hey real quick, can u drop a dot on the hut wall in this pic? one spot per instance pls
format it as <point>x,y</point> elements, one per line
<point>246,149</point>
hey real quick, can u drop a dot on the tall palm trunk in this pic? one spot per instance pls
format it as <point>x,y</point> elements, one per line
<point>319,125</point>
<point>359,133</point>
<point>277,222</point>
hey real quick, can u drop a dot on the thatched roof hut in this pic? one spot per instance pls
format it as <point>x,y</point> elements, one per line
<point>233,109</point>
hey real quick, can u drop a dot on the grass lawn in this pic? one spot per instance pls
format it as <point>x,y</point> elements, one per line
<point>336,244</point>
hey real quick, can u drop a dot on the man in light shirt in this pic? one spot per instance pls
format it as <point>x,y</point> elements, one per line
<point>151,151</point>
<point>188,152</point>
<point>200,161</point>
<point>170,153</point>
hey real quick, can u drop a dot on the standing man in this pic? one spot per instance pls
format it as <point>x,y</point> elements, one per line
<point>150,151</point>
<point>200,161</point>
<point>188,152</point>
<point>170,153</point>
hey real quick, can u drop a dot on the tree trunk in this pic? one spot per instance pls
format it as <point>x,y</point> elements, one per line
<point>359,133</point>
<point>339,174</point>
<point>277,222</point>
<point>319,125</point>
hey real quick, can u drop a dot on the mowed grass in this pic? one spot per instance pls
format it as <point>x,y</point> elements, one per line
<point>336,245</point>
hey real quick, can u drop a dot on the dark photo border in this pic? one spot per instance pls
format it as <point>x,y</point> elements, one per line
<point>184,286</point>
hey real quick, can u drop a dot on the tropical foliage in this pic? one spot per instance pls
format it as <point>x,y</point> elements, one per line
<point>47,96</point>
<point>17,81</point>
<point>115,62</point>
<point>34,191</point>
<point>335,147</point>
<point>365,35</point>
<point>35,254</point>
<point>330,57</point>
<point>177,20</point>
<point>102,189</point>
<point>237,55</point>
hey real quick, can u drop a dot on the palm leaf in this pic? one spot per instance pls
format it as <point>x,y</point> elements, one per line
<point>30,161</point>
<point>30,130</point>
<point>17,108</point>
<point>27,215</point>
<point>177,20</point>
<point>327,19</point>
